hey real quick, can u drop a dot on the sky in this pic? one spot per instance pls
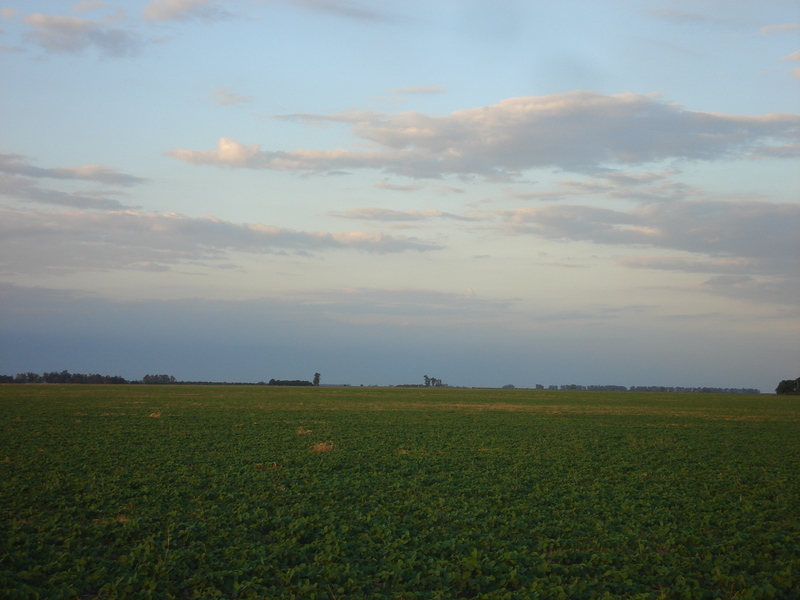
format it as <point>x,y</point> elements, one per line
<point>485,192</point>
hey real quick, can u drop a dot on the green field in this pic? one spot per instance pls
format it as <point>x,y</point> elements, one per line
<point>348,493</point>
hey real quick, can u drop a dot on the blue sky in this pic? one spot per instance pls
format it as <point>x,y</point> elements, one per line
<point>483,192</point>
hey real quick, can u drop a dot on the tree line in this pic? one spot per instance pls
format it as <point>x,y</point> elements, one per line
<point>651,388</point>
<point>788,386</point>
<point>158,379</point>
<point>63,377</point>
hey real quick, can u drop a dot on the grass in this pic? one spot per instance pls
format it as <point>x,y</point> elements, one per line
<point>236,492</point>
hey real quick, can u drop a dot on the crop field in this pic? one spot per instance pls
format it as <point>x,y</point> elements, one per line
<point>138,491</point>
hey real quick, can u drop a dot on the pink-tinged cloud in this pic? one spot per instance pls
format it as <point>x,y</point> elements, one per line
<point>224,97</point>
<point>760,235</point>
<point>785,28</point>
<point>17,164</point>
<point>72,35</point>
<point>370,213</point>
<point>79,240</point>
<point>576,131</point>
<point>181,10</point>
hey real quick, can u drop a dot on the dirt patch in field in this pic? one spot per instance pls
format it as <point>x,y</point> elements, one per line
<point>323,447</point>
<point>724,414</point>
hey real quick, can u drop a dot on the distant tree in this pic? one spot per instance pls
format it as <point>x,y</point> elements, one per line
<point>316,379</point>
<point>427,381</point>
<point>788,386</point>
<point>509,386</point>
<point>158,379</point>
<point>28,377</point>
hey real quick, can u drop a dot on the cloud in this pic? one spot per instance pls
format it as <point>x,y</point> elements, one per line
<point>745,237</point>
<point>576,131</point>
<point>732,277</point>
<point>223,97</point>
<point>342,8</point>
<point>421,89</point>
<point>232,153</point>
<point>638,187</point>
<point>788,151</point>
<point>26,190</point>
<point>794,57</point>
<point>18,180</point>
<point>182,10</point>
<point>683,17</point>
<point>411,187</point>
<point>17,164</point>
<point>770,29</point>
<point>8,13</point>
<point>442,189</point>
<point>88,5</point>
<point>72,35</point>
<point>735,265</point>
<point>370,213</point>
<point>754,289</point>
<point>764,231</point>
<point>78,240</point>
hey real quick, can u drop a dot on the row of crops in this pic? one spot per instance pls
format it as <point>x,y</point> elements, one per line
<point>334,493</point>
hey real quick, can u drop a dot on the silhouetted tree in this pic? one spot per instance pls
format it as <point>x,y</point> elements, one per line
<point>295,382</point>
<point>158,379</point>
<point>316,378</point>
<point>788,386</point>
<point>28,377</point>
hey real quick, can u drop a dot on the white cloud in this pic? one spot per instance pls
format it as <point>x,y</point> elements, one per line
<point>420,89</point>
<point>8,13</point>
<point>18,180</point>
<point>88,5</point>
<point>26,190</point>
<point>223,97</point>
<point>17,164</point>
<point>77,240</point>
<point>342,8</point>
<point>684,17</point>
<point>769,29</point>
<point>794,56</point>
<point>370,213</point>
<point>395,187</point>
<point>74,34</point>
<point>638,187</point>
<point>181,10</point>
<point>442,189</point>
<point>576,131</point>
